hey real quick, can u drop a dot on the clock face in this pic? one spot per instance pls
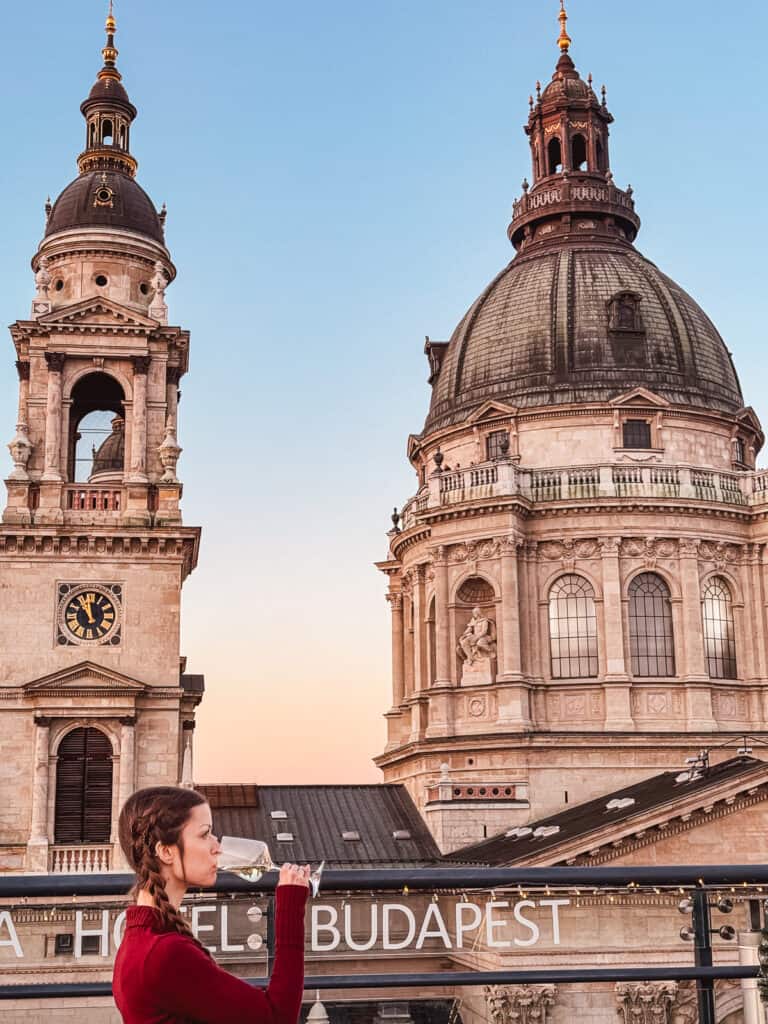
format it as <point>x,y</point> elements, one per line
<point>89,614</point>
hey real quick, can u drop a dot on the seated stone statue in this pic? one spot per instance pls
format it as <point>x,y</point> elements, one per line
<point>478,640</point>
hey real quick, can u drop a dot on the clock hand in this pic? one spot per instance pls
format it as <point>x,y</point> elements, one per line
<point>86,606</point>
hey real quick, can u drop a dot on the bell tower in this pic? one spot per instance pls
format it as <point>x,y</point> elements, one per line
<point>93,551</point>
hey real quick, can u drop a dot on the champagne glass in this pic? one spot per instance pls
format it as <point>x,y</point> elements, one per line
<point>250,859</point>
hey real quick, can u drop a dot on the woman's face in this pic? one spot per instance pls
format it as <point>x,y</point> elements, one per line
<point>201,849</point>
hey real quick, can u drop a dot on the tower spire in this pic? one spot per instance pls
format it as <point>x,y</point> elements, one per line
<point>110,51</point>
<point>565,40</point>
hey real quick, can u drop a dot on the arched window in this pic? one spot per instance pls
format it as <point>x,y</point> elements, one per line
<point>719,635</point>
<point>84,788</point>
<point>572,628</point>
<point>554,156</point>
<point>106,132</point>
<point>579,153</point>
<point>651,639</point>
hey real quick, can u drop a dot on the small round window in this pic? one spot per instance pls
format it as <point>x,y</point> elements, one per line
<point>144,288</point>
<point>104,195</point>
<point>59,285</point>
<point>101,280</point>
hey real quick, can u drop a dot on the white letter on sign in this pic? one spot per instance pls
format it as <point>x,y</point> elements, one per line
<point>555,904</point>
<point>461,908</point>
<point>532,927</point>
<point>386,910</point>
<point>333,917</point>
<point>361,947</point>
<point>13,938</point>
<point>438,932</point>
<point>492,925</point>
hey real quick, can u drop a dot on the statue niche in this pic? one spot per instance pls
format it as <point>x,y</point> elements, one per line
<point>476,631</point>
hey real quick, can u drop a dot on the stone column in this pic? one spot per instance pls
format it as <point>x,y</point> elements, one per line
<point>754,1011</point>
<point>172,378</point>
<point>37,848</point>
<point>420,675</point>
<point>618,711</point>
<point>52,469</point>
<point>127,758</point>
<point>408,680</point>
<point>756,554</point>
<point>693,669</point>
<point>531,612</point>
<point>187,758</point>
<point>398,690</point>
<point>511,664</point>
<point>138,467</point>
<point>442,625</point>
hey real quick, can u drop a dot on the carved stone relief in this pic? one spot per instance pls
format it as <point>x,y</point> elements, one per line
<point>646,1002</point>
<point>730,705</point>
<point>520,1004</point>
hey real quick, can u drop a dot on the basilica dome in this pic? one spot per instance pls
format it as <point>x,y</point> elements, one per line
<point>582,323</point>
<point>579,315</point>
<point>125,205</point>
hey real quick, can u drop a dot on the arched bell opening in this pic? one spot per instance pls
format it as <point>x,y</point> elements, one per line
<point>554,157</point>
<point>97,430</point>
<point>579,153</point>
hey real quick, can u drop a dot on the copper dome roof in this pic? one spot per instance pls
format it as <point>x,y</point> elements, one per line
<point>542,334</point>
<point>127,206</point>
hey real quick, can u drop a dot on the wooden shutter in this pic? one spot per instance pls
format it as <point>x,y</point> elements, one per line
<point>84,788</point>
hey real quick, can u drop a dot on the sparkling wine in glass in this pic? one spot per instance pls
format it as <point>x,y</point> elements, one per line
<point>250,859</point>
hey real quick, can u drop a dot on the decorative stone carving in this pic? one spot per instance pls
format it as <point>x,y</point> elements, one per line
<point>169,452</point>
<point>520,1004</point>
<point>478,641</point>
<point>646,1002</point>
<point>41,304</point>
<point>159,310</point>
<point>20,449</point>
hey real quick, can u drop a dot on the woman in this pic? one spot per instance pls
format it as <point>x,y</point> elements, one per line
<point>163,975</point>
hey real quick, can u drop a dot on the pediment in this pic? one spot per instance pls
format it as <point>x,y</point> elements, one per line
<point>640,397</point>
<point>85,677</point>
<point>748,417</point>
<point>490,411</point>
<point>99,313</point>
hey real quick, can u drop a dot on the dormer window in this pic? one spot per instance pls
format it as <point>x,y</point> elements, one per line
<point>496,445</point>
<point>624,313</point>
<point>636,434</point>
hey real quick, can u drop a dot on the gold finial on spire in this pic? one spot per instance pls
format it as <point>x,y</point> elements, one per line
<point>565,40</point>
<point>109,53</point>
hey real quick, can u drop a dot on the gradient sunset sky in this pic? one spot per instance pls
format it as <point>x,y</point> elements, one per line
<point>339,179</point>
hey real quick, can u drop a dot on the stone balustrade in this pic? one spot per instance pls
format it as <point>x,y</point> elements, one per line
<point>573,483</point>
<point>80,860</point>
<point>93,499</point>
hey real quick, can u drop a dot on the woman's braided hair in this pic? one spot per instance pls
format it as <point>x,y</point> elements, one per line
<point>151,816</point>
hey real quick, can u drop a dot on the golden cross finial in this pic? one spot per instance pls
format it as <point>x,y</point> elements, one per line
<point>565,40</point>
<point>111,24</point>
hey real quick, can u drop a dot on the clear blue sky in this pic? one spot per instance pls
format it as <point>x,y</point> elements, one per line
<point>339,178</point>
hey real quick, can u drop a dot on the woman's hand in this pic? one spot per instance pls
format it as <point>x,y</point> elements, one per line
<point>292,874</point>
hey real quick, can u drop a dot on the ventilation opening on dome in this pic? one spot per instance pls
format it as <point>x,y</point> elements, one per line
<point>101,280</point>
<point>554,156</point>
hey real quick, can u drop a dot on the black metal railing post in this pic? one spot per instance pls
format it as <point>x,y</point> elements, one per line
<point>702,927</point>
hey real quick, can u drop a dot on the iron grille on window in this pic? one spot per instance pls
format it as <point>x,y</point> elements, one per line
<point>719,634</point>
<point>496,444</point>
<point>651,639</point>
<point>637,434</point>
<point>83,788</point>
<point>572,628</point>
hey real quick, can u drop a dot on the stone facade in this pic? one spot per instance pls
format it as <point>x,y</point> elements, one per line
<point>91,570</point>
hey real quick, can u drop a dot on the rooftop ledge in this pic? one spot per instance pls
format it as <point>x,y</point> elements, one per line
<point>578,483</point>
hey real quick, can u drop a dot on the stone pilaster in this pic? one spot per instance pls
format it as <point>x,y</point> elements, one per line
<point>138,466</point>
<point>511,664</point>
<point>37,848</point>
<point>693,670</point>
<point>52,468</point>
<point>398,690</point>
<point>442,625</point>
<point>420,675</point>
<point>618,709</point>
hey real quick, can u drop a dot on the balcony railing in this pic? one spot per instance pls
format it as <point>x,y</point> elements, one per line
<point>93,499</point>
<point>574,483</point>
<point>80,860</point>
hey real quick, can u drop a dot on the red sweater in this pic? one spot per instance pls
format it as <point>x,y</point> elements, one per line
<point>164,978</point>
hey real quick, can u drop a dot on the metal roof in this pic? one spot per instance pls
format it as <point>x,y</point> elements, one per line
<point>520,844</point>
<point>318,816</point>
